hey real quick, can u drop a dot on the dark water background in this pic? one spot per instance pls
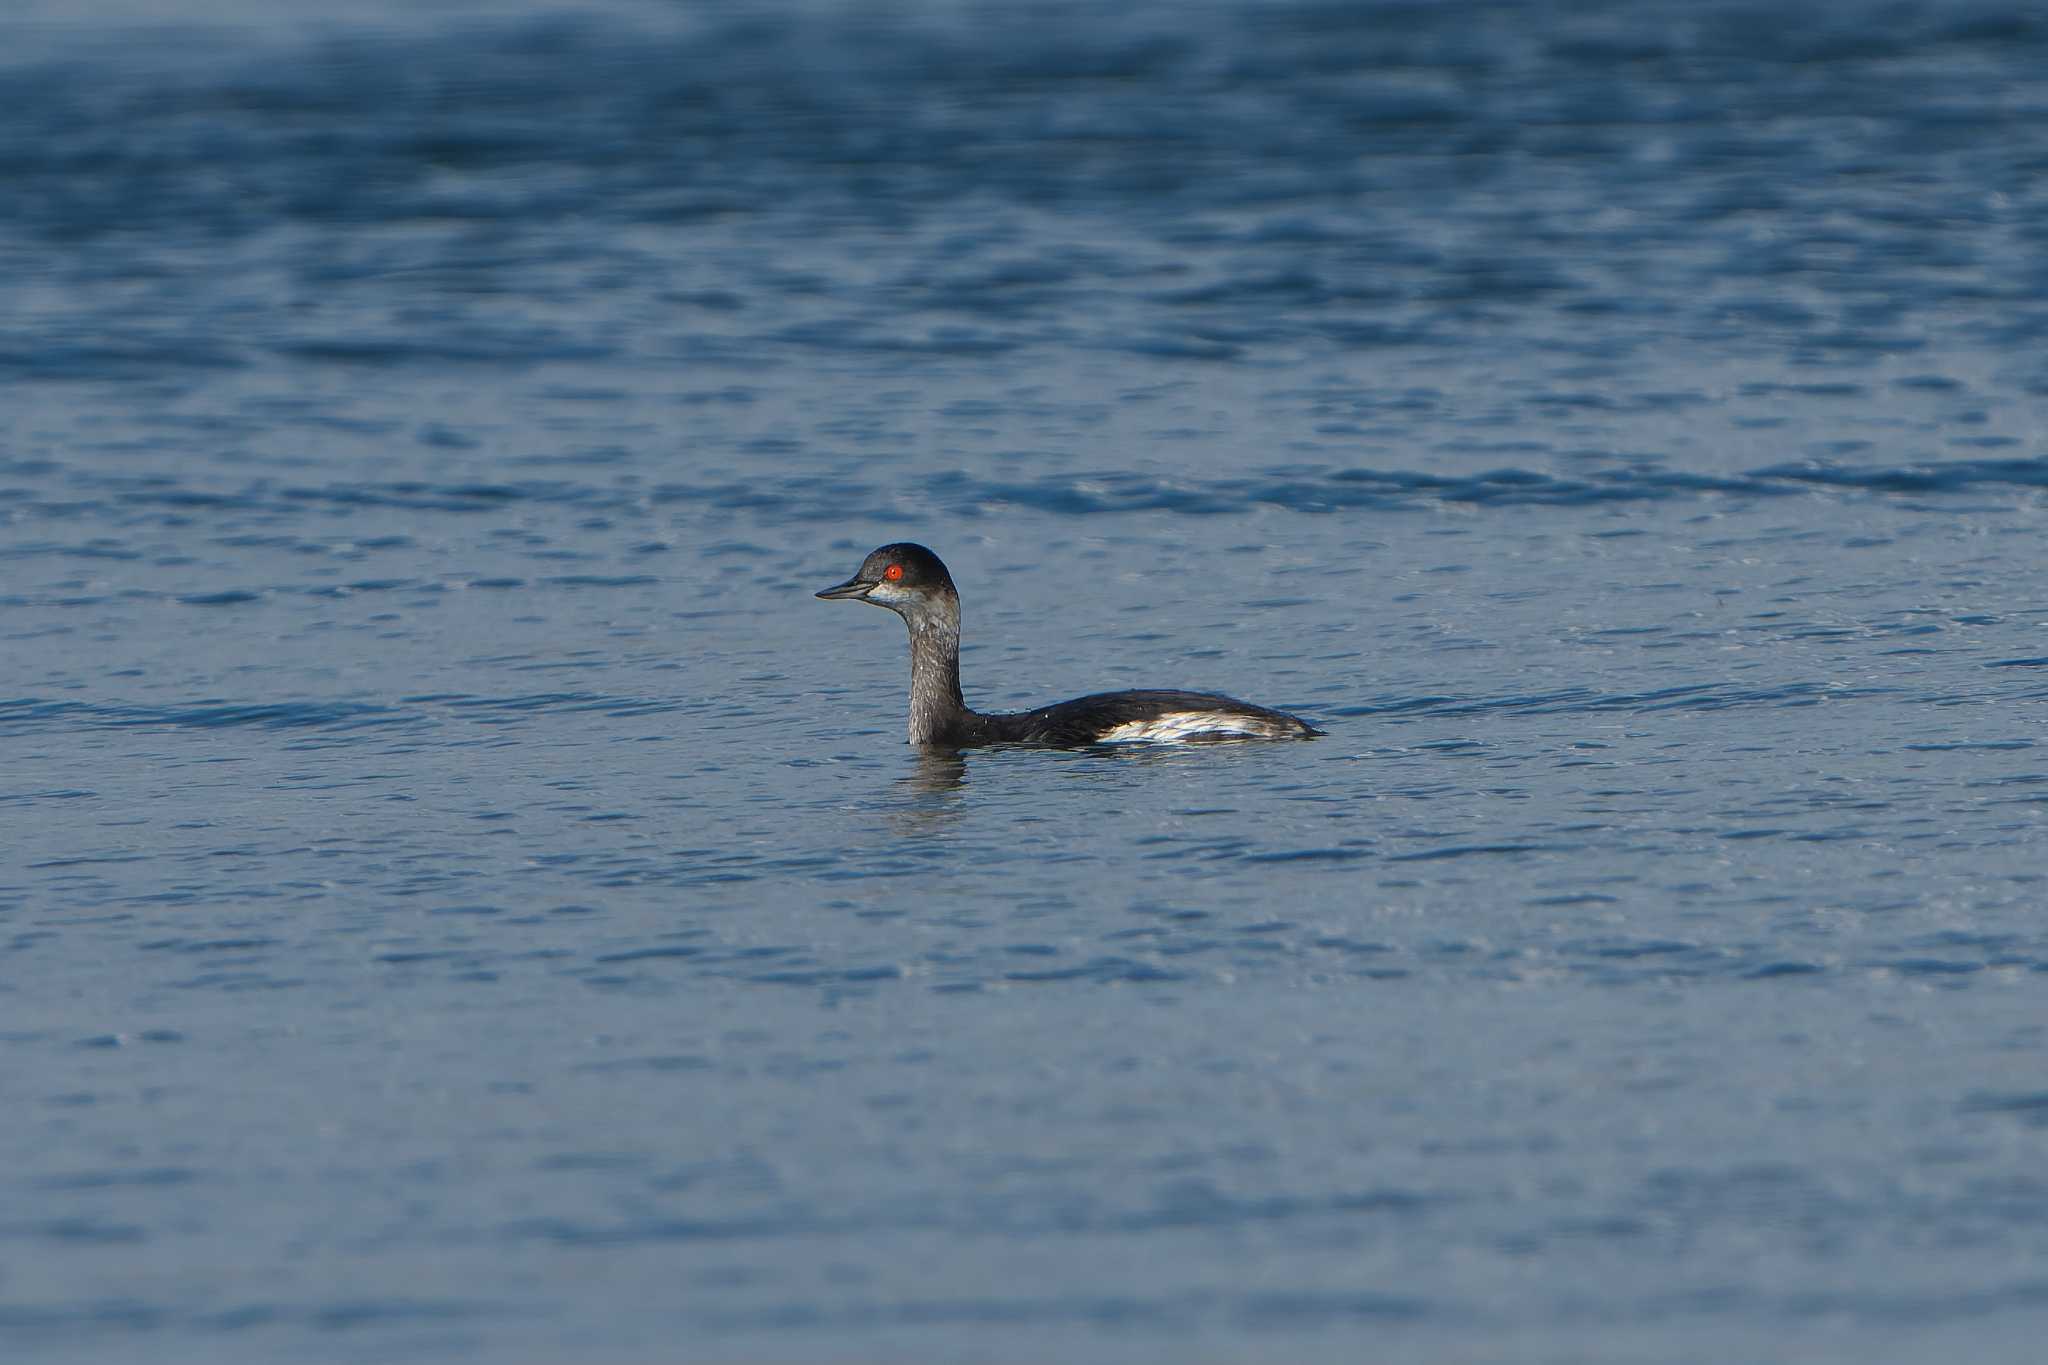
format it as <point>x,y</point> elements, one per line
<point>462,897</point>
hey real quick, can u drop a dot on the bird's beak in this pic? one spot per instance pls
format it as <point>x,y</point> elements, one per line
<point>852,587</point>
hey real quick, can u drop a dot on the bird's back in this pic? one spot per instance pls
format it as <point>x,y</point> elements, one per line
<point>1156,716</point>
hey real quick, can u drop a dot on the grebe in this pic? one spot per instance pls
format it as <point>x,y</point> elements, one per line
<point>910,581</point>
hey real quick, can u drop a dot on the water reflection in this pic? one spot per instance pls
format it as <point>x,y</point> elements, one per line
<point>929,795</point>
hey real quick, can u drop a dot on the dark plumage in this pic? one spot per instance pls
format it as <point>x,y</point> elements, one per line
<point>912,582</point>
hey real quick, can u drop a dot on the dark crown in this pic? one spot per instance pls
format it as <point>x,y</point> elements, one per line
<point>921,568</point>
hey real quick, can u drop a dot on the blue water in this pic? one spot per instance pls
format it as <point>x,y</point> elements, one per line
<point>463,898</point>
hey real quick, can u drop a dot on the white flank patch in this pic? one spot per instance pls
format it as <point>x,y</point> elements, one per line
<point>1177,727</point>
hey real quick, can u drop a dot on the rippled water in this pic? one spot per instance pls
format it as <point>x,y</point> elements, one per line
<point>463,895</point>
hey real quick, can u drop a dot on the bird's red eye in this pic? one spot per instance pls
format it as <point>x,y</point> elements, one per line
<point>893,572</point>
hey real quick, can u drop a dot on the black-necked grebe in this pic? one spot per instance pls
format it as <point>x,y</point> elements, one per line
<point>910,581</point>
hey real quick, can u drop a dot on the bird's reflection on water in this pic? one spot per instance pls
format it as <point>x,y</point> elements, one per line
<point>938,772</point>
<point>928,797</point>
<point>932,795</point>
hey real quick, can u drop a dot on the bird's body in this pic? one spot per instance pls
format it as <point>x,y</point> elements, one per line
<point>912,582</point>
<point>1123,718</point>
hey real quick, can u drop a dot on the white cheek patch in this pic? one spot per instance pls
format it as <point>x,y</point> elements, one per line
<point>888,592</point>
<point>1178,727</point>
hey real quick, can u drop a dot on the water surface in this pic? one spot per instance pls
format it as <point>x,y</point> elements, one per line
<point>463,896</point>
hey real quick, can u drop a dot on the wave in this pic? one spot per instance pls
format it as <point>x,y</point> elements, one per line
<point>1572,701</point>
<point>24,714</point>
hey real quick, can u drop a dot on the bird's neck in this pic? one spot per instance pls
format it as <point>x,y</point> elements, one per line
<point>937,710</point>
